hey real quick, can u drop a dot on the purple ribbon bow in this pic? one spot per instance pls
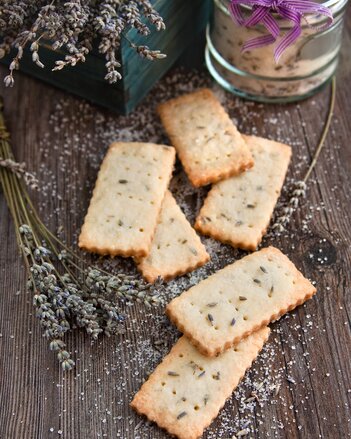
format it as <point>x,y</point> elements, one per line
<point>292,10</point>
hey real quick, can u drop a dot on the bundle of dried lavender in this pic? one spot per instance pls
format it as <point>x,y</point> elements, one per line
<point>74,26</point>
<point>67,292</point>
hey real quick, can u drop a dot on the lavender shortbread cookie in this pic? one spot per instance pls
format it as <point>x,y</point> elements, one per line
<point>176,249</point>
<point>237,211</point>
<point>127,198</point>
<point>238,300</point>
<point>187,390</point>
<point>207,142</point>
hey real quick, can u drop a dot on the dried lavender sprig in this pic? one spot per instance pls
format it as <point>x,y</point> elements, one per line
<point>297,193</point>
<point>74,26</point>
<point>66,290</point>
<point>299,188</point>
<point>20,170</point>
<point>146,52</point>
<point>24,36</point>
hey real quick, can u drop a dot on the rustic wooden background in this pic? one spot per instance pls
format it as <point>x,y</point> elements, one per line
<point>309,352</point>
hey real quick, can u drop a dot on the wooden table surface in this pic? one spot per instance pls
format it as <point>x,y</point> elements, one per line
<point>303,376</point>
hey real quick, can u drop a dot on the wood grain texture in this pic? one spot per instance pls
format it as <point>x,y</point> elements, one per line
<point>38,401</point>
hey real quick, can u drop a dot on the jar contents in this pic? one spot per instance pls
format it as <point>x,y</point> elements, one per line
<point>303,67</point>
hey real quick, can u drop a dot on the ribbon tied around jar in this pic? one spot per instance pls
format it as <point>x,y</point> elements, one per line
<point>262,13</point>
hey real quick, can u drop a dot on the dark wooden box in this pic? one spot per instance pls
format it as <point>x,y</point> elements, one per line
<point>185,21</point>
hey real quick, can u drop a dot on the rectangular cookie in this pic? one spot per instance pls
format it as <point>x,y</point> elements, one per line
<point>187,390</point>
<point>238,300</point>
<point>238,210</point>
<point>127,198</point>
<point>207,142</point>
<point>176,248</point>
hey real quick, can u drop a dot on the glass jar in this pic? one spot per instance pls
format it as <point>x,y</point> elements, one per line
<point>302,70</point>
